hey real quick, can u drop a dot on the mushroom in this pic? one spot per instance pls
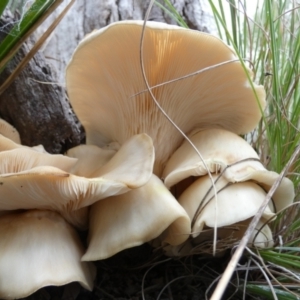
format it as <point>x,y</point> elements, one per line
<point>227,237</point>
<point>37,249</point>
<point>241,183</point>
<point>23,159</point>
<point>9,131</point>
<point>86,156</point>
<point>108,92</point>
<point>9,141</point>
<point>231,213</point>
<point>235,202</point>
<point>8,144</point>
<point>29,179</point>
<point>134,218</point>
<point>227,153</point>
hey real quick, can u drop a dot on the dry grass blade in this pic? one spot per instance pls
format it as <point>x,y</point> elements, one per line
<point>144,277</point>
<point>34,49</point>
<point>187,76</point>
<point>246,278</point>
<point>269,272</point>
<point>173,123</point>
<point>266,278</point>
<point>220,289</point>
<point>169,283</point>
<point>10,54</point>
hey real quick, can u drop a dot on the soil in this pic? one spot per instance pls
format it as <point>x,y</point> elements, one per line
<point>141,273</point>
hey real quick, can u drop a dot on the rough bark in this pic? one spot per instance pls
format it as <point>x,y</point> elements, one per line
<point>37,108</point>
<point>41,112</point>
<point>86,16</point>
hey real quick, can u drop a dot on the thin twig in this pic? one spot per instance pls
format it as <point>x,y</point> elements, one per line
<point>270,273</point>
<point>29,32</point>
<point>172,122</point>
<point>34,49</point>
<point>221,287</point>
<point>267,279</point>
<point>198,72</point>
<point>246,278</point>
<point>146,273</point>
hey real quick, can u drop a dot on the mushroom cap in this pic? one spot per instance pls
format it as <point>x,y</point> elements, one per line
<point>261,237</point>
<point>87,156</point>
<point>26,184</point>
<point>235,202</point>
<point>9,131</point>
<point>134,218</point>
<point>8,144</point>
<point>227,237</point>
<point>107,89</point>
<point>224,151</point>
<point>39,248</point>
<point>22,159</point>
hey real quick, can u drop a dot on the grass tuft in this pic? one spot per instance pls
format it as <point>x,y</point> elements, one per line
<point>269,43</point>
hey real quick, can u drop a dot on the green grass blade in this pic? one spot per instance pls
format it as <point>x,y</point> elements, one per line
<point>288,260</point>
<point>3,4</point>
<point>171,11</point>
<point>295,226</point>
<point>266,292</point>
<point>37,9</point>
<point>234,22</point>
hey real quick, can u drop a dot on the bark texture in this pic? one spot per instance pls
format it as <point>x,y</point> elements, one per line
<point>36,107</point>
<point>35,104</point>
<point>86,16</point>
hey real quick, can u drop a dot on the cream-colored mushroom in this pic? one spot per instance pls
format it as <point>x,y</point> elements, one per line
<point>226,152</point>
<point>9,131</point>
<point>241,183</point>
<point>90,159</point>
<point>23,159</point>
<point>27,182</point>
<point>6,143</point>
<point>134,218</point>
<point>107,89</point>
<point>37,249</point>
<point>235,202</point>
<point>226,238</point>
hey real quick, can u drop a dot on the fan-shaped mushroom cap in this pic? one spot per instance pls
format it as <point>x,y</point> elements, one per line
<point>22,159</point>
<point>235,202</point>
<point>104,78</point>
<point>90,159</point>
<point>136,217</point>
<point>47,187</point>
<point>9,131</point>
<point>8,144</point>
<point>224,151</point>
<point>10,138</point>
<point>39,248</point>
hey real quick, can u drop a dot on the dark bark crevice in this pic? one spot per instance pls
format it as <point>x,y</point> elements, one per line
<point>37,107</point>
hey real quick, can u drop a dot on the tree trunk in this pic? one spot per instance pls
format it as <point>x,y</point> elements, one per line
<point>36,103</point>
<point>86,16</point>
<point>37,107</point>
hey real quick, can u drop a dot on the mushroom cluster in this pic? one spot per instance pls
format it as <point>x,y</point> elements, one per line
<point>240,181</point>
<point>137,179</point>
<point>45,199</point>
<point>202,86</point>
